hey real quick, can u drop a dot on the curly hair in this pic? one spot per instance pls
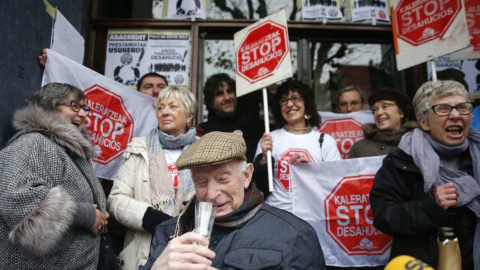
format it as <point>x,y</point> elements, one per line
<point>211,86</point>
<point>308,96</point>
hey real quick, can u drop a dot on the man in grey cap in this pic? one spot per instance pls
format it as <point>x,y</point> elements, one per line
<point>247,233</point>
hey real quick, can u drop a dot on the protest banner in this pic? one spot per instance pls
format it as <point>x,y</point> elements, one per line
<point>346,129</point>
<point>472,8</point>
<point>336,203</point>
<point>118,113</point>
<point>425,30</point>
<point>262,53</point>
<point>262,57</point>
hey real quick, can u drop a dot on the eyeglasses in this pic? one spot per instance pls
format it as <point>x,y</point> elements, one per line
<point>445,109</point>
<point>294,99</point>
<point>354,103</point>
<point>75,106</point>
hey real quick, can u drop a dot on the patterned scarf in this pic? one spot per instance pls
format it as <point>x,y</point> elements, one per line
<point>161,185</point>
<point>252,203</point>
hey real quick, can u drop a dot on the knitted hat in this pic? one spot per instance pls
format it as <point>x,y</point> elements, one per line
<point>402,100</point>
<point>211,149</point>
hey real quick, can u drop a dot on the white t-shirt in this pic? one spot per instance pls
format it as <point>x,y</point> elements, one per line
<point>171,156</point>
<point>286,144</point>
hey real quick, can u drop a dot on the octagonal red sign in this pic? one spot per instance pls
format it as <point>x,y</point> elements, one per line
<point>109,124</point>
<point>283,166</point>
<point>261,51</point>
<point>349,219</point>
<point>346,131</point>
<point>472,8</point>
<point>418,22</point>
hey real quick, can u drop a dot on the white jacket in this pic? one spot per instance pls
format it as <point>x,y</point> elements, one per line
<point>128,201</point>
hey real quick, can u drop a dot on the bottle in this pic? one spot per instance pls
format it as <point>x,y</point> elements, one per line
<point>449,257</point>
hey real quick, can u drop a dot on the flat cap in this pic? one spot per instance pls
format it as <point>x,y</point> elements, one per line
<point>211,149</point>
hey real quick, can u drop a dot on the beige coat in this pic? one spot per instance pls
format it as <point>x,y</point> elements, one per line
<point>128,201</point>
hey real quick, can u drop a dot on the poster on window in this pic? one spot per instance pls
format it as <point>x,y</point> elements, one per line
<point>133,53</point>
<point>322,10</point>
<point>168,53</point>
<point>125,55</point>
<point>181,9</point>
<point>369,11</point>
<point>469,70</point>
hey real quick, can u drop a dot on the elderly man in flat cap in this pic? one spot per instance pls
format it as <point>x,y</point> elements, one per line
<point>247,233</point>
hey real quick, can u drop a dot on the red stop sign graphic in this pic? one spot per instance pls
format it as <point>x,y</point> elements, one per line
<point>346,131</point>
<point>109,124</point>
<point>418,22</point>
<point>472,8</point>
<point>283,166</point>
<point>349,217</point>
<point>262,51</point>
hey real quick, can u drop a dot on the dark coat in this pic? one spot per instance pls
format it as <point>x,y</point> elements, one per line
<point>377,142</point>
<point>272,239</point>
<point>403,210</point>
<point>252,129</point>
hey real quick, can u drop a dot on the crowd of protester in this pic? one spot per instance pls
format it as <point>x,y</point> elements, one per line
<point>53,206</point>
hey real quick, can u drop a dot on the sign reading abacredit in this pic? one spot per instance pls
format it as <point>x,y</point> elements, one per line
<point>262,53</point>
<point>349,217</point>
<point>109,124</point>
<point>426,29</point>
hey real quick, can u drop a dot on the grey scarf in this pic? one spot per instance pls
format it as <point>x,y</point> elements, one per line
<point>171,142</point>
<point>425,153</point>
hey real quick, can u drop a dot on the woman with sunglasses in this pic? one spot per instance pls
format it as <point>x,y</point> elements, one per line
<point>52,205</point>
<point>296,141</point>
<point>432,179</point>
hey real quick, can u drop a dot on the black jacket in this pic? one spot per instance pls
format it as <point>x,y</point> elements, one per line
<point>272,239</point>
<point>252,129</point>
<point>403,210</point>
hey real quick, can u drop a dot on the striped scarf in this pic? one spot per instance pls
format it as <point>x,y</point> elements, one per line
<point>252,203</point>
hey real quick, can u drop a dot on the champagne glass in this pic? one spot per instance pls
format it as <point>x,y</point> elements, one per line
<point>204,218</point>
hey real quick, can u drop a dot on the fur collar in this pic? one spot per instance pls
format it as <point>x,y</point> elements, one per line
<point>54,127</point>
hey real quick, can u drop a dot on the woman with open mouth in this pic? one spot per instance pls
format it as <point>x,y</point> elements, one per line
<point>52,204</point>
<point>432,179</point>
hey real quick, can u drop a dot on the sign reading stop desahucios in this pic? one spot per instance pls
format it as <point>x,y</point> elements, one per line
<point>427,29</point>
<point>262,53</point>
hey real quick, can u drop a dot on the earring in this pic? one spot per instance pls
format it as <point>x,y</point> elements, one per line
<point>307,116</point>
